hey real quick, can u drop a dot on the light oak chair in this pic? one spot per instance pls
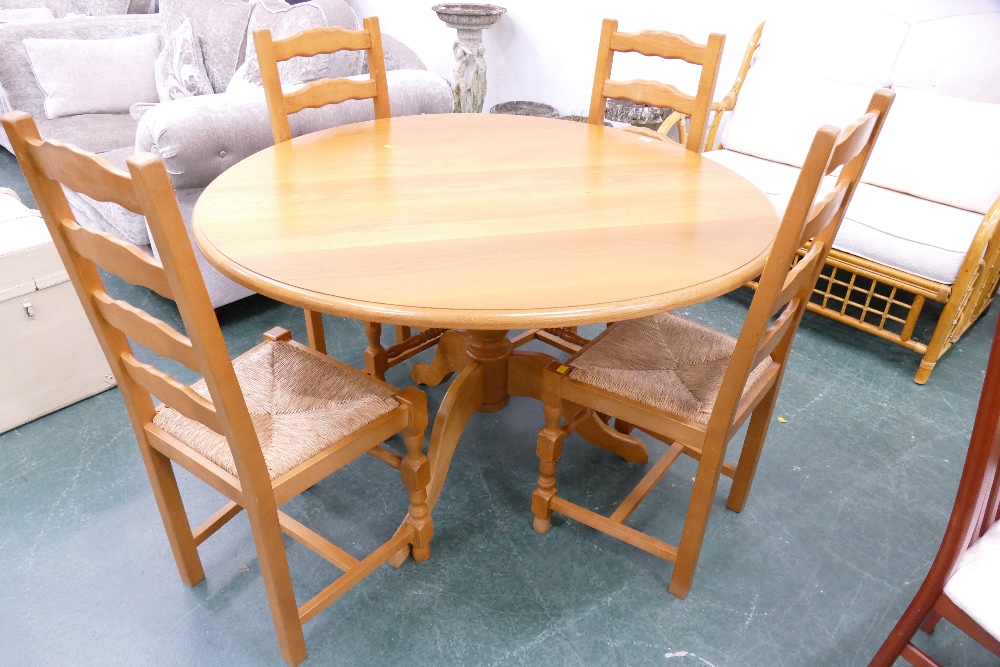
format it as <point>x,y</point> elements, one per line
<point>963,584</point>
<point>319,93</point>
<point>259,429</point>
<point>693,387</point>
<point>664,45</point>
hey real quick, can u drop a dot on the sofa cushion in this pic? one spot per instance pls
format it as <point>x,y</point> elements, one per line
<point>974,586</point>
<point>19,84</point>
<point>94,132</point>
<point>803,77</point>
<point>82,76</point>
<point>284,20</point>
<point>180,69</point>
<point>777,119</point>
<point>809,38</point>
<point>913,157</point>
<point>220,27</point>
<point>81,7</point>
<point>27,14</point>
<point>971,69</point>
<point>907,233</point>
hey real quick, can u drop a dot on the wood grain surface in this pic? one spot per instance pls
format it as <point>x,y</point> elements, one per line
<point>485,222</point>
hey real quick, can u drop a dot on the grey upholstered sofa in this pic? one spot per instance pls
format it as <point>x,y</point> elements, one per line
<point>197,137</point>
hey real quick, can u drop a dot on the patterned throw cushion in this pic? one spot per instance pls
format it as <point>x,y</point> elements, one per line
<point>180,70</point>
<point>284,20</point>
<point>220,28</point>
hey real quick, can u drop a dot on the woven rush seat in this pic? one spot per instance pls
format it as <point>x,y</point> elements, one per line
<point>299,405</point>
<point>664,361</point>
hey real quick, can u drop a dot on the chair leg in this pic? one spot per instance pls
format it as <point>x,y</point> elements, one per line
<point>315,331</point>
<point>416,476</point>
<point>376,357</point>
<point>175,520</point>
<point>706,482</point>
<point>760,420</point>
<point>623,426</point>
<point>931,621</point>
<point>402,333</point>
<point>549,449</point>
<point>277,581</point>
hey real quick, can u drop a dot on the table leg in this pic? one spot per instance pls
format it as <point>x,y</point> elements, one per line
<point>448,358</point>
<point>491,349</point>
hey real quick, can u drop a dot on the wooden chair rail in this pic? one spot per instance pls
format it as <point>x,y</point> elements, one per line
<point>317,41</point>
<point>117,257</point>
<point>851,140</point>
<point>85,172</point>
<point>178,396</point>
<point>212,524</point>
<point>660,44</point>
<point>155,334</point>
<point>328,91</point>
<point>650,92</point>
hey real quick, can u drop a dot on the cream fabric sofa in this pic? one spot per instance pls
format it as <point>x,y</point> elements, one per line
<point>198,137</point>
<point>923,225</point>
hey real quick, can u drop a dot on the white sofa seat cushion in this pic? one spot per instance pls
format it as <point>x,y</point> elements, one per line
<point>907,233</point>
<point>975,585</point>
<point>774,179</point>
<point>912,154</point>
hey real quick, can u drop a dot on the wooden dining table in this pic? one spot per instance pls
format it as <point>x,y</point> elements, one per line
<point>482,225</point>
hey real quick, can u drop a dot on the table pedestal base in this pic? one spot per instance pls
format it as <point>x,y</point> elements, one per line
<point>489,373</point>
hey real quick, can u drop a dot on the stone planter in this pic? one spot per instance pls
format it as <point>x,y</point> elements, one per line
<point>536,109</point>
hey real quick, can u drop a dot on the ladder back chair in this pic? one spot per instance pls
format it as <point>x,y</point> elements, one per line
<point>259,429</point>
<point>692,387</point>
<point>962,584</point>
<point>664,45</point>
<point>319,93</point>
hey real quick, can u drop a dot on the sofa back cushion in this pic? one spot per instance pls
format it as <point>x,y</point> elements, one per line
<point>220,26</point>
<point>18,87</point>
<point>941,140</point>
<point>61,8</point>
<point>82,76</point>
<point>816,65</point>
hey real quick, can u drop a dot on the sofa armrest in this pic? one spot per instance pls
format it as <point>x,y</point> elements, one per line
<point>200,137</point>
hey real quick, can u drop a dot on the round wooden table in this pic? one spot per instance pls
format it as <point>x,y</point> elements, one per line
<point>485,223</point>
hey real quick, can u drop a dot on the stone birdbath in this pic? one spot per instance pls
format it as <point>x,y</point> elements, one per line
<point>470,55</point>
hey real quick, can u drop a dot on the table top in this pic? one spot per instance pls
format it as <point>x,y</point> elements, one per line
<point>484,222</point>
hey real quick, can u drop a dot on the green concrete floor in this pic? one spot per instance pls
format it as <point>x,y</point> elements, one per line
<point>848,508</point>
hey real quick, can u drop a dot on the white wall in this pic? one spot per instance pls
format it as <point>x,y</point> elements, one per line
<point>546,50</point>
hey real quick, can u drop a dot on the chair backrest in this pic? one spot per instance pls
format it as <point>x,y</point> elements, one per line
<point>784,290</point>
<point>145,190</point>
<point>664,45</point>
<point>314,42</point>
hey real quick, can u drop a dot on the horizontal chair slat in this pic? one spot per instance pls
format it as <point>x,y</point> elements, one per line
<point>83,172</point>
<point>328,91</point>
<point>181,398</point>
<point>853,139</point>
<point>146,330</point>
<point>657,43</point>
<point>118,257</point>
<point>315,41</point>
<point>652,93</point>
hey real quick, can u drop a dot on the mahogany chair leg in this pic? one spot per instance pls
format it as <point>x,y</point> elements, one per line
<point>315,331</point>
<point>277,582</point>
<point>549,449</point>
<point>931,621</point>
<point>376,358</point>
<point>746,468</point>
<point>175,519</point>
